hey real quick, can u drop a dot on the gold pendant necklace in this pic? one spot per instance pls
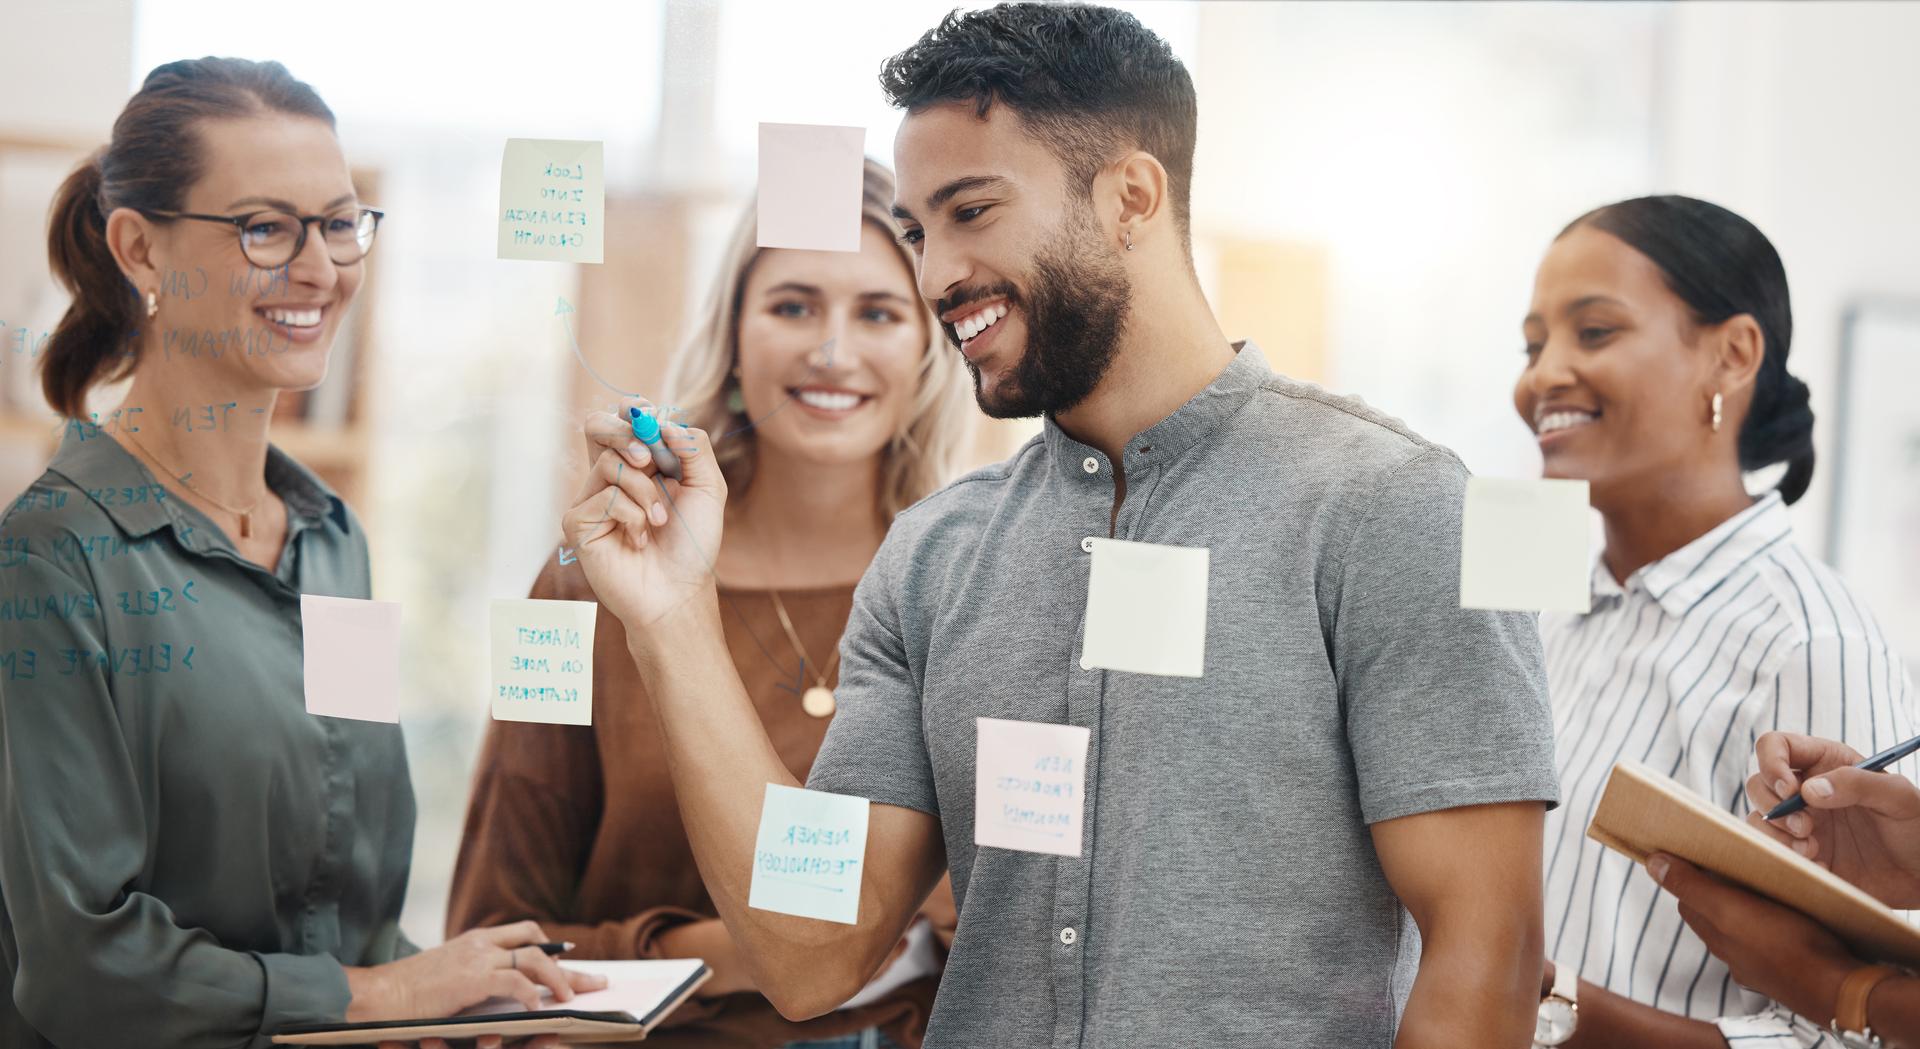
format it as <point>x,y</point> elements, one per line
<point>245,516</point>
<point>816,701</point>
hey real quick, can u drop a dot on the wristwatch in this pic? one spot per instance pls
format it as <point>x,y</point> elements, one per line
<point>1560,1009</point>
<point>1850,1012</point>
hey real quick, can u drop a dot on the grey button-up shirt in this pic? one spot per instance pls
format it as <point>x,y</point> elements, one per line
<point>187,857</point>
<point>1228,893</point>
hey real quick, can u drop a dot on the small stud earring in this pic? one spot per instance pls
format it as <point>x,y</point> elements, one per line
<point>153,304</point>
<point>1718,403</point>
<point>1129,240</point>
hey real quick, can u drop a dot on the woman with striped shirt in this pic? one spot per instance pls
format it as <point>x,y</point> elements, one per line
<point>1657,371</point>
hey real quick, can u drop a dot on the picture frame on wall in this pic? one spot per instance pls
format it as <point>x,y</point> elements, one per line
<point>1873,527</point>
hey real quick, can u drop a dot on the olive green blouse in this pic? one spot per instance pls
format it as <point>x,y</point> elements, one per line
<point>187,857</point>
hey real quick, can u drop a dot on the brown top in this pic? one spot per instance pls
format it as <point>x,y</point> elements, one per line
<point>578,828</point>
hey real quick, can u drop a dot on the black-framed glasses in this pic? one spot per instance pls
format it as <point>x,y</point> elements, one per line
<point>271,239</point>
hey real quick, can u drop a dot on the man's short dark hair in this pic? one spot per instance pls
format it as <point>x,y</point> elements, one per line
<point>1089,82</point>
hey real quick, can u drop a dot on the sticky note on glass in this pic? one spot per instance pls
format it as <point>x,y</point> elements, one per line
<point>1146,609</point>
<point>351,652</point>
<point>808,858</point>
<point>1029,786</point>
<point>811,179</point>
<point>553,201</point>
<point>542,656</point>
<point>1525,545</point>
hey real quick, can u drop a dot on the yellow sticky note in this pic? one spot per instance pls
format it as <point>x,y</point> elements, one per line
<point>1146,609</point>
<point>553,201</point>
<point>542,657</point>
<point>1526,545</point>
<point>351,656</point>
<point>811,179</point>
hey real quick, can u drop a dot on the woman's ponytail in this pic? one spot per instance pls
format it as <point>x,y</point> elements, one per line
<point>1779,429</point>
<point>87,345</point>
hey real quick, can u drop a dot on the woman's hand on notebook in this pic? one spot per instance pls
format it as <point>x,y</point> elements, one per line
<point>1864,826</point>
<point>504,961</point>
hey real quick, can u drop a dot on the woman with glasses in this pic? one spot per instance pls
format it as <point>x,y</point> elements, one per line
<point>187,857</point>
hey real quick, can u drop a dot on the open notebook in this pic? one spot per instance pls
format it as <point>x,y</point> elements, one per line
<point>1642,812</point>
<point>637,997</point>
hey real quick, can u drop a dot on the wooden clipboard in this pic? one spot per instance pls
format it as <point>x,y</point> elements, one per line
<point>1642,812</point>
<point>571,1025</point>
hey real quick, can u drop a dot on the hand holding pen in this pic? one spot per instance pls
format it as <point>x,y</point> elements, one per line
<point>647,519</point>
<point>1821,799</point>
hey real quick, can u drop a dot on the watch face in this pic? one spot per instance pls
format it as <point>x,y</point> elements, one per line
<point>1555,1022</point>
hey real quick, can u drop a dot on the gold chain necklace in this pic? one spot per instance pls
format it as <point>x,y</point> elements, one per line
<point>246,515</point>
<point>818,700</point>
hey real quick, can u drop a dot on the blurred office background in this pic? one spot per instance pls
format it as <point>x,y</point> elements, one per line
<point>1375,183</point>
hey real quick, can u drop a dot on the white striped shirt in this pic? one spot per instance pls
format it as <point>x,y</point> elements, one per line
<point>1682,669</point>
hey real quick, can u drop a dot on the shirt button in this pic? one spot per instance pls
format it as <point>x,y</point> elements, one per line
<point>1087,544</point>
<point>1090,465</point>
<point>1067,936</point>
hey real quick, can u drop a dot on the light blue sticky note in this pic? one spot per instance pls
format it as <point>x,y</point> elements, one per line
<point>808,858</point>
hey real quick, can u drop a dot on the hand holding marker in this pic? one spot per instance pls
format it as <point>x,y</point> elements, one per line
<point>646,430</point>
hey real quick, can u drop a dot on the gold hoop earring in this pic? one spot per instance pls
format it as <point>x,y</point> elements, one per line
<point>1718,403</point>
<point>153,303</point>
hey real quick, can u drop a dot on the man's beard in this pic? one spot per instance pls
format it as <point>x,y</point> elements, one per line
<point>1075,314</point>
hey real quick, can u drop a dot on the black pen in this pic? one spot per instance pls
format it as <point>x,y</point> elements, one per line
<point>1877,763</point>
<point>551,949</point>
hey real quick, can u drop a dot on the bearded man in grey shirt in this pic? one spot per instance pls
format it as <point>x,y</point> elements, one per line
<point>1361,767</point>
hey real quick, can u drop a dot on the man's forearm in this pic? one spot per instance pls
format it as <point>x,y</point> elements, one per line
<point>1476,988</point>
<point>709,941</point>
<point>721,760</point>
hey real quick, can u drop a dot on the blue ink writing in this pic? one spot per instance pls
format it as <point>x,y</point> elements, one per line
<point>24,341</point>
<point>26,607</point>
<point>184,286</point>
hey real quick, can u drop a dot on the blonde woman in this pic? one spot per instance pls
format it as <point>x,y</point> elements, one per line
<point>835,404</point>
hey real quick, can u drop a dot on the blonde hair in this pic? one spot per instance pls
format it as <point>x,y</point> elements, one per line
<point>699,378</point>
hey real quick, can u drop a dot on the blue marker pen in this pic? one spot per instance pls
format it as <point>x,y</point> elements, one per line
<point>646,430</point>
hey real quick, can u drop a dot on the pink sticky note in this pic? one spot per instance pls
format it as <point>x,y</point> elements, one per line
<point>352,657</point>
<point>810,184</point>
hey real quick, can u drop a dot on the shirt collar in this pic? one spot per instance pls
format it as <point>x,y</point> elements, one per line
<point>128,493</point>
<point>1167,439</point>
<point>1678,581</point>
